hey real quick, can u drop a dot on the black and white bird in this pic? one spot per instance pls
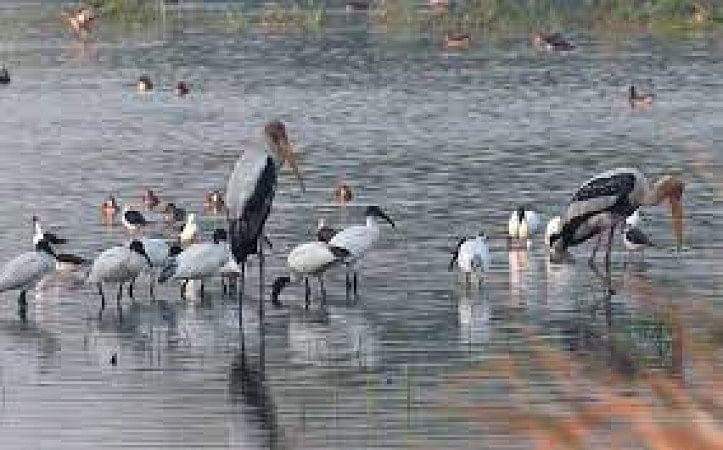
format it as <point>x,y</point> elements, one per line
<point>199,261</point>
<point>522,225</point>
<point>635,240</point>
<point>306,260</point>
<point>250,194</point>
<point>471,255</point>
<point>25,270</point>
<point>358,240</point>
<point>159,253</point>
<point>64,261</point>
<point>120,264</point>
<point>39,234</point>
<point>553,228</point>
<point>602,203</point>
<point>133,219</point>
<point>324,233</point>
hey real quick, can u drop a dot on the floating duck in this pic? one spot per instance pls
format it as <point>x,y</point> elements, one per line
<point>150,199</point>
<point>144,83</point>
<point>214,200</point>
<point>552,42</point>
<point>109,207</point>
<point>342,193</point>
<point>637,98</point>
<point>80,19</point>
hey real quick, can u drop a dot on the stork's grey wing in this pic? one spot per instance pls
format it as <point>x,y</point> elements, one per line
<point>611,184</point>
<point>22,270</point>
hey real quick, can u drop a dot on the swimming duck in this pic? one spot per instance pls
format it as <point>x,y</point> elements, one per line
<point>342,193</point>
<point>109,207</point>
<point>182,88</point>
<point>214,200</point>
<point>637,98</point>
<point>150,199</point>
<point>4,75</point>
<point>144,83</point>
<point>552,42</point>
<point>80,19</point>
<point>457,40</point>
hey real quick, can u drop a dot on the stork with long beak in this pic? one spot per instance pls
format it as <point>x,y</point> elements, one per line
<point>606,200</point>
<point>250,194</point>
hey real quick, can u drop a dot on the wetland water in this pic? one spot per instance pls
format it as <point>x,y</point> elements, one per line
<point>448,143</point>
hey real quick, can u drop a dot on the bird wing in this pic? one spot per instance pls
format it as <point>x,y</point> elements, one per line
<point>200,260</point>
<point>249,195</point>
<point>135,217</point>
<point>157,250</point>
<point>23,269</point>
<point>311,257</point>
<point>533,221</point>
<point>513,225</point>
<point>357,239</point>
<point>109,265</point>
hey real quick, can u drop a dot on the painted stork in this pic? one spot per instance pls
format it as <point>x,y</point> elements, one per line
<point>118,264</point>
<point>198,262</point>
<point>471,255</point>
<point>25,270</point>
<point>358,239</point>
<point>250,193</point>
<point>305,260</point>
<point>604,201</point>
<point>522,225</point>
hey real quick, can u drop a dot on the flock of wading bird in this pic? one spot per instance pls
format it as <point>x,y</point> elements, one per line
<point>602,204</point>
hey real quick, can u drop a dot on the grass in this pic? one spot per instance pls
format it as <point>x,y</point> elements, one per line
<point>128,10</point>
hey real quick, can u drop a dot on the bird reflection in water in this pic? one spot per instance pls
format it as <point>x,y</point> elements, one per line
<point>474,314</point>
<point>518,270</point>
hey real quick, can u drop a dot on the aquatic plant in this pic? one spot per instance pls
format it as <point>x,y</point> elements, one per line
<point>128,10</point>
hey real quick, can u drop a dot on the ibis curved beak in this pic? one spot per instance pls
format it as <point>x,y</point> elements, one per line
<point>676,216</point>
<point>288,155</point>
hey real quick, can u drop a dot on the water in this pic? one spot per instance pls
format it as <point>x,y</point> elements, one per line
<point>447,143</point>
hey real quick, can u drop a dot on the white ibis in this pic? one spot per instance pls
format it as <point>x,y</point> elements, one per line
<point>305,260</point>
<point>324,233</point>
<point>523,224</point>
<point>604,201</point>
<point>198,262</point>
<point>25,270</point>
<point>358,239</point>
<point>118,264</point>
<point>190,229</point>
<point>250,193</point>
<point>472,256</point>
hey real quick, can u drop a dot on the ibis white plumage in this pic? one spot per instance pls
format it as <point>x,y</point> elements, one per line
<point>250,193</point>
<point>305,260</point>
<point>472,256</point>
<point>523,224</point>
<point>358,239</point>
<point>118,264</point>
<point>198,262</point>
<point>605,200</point>
<point>25,270</point>
<point>190,229</point>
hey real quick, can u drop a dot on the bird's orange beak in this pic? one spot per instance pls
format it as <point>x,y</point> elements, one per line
<point>288,155</point>
<point>676,216</point>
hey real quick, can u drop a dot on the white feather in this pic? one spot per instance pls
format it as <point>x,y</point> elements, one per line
<point>117,264</point>
<point>201,260</point>
<point>474,255</point>
<point>25,270</point>
<point>190,229</point>
<point>357,239</point>
<point>634,219</point>
<point>310,258</point>
<point>553,227</point>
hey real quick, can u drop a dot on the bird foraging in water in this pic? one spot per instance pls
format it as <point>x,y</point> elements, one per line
<point>118,264</point>
<point>523,224</point>
<point>198,262</point>
<point>25,270</point>
<point>551,42</point>
<point>250,194</point>
<point>324,233</point>
<point>472,256</point>
<point>603,202</point>
<point>4,75</point>
<point>358,240</point>
<point>638,98</point>
<point>305,260</point>
<point>144,83</point>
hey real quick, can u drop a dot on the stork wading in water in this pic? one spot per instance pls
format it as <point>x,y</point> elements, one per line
<point>606,200</point>
<point>358,239</point>
<point>522,225</point>
<point>250,194</point>
<point>305,260</point>
<point>472,255</point>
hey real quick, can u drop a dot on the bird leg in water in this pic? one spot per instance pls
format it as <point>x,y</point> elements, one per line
<point>130,288</point>
<point>355,284</point>
<point>611,232</point>
<point>102,296</point>
<point>120,295</point>
<point>307,292</point>
<point>22,302</point>
<point>323,290</point>
<point>183,289</point>
<point>261,284</point>
<point>202,290</point>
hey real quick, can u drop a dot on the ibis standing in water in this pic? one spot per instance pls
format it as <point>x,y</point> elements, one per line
<point>603,202</point>
<point>118,264</point>
<point>25,270</point>
<point>358,239</point>
<point>305,260</point>
<point>471,255</point>
<point>250,193</point>
<point>522,225</point>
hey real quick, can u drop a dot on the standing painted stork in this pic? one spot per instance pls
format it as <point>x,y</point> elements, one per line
<point>607,199</point>
<point>250,193</point>
<point>471,255</point>
<point>308,259</point>
<point>522,225</point>
<point>358,239</point>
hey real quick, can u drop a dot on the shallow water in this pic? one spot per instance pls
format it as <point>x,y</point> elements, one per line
<point>448,143</point>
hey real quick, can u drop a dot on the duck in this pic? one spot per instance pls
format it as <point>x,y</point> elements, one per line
<point>150,199</point>
<point>109,207</point>
<point>4,75</point>
<point>457,40</point>
<point>214,200</point>
<point>552,42</point>
<point>144,83</point>
<point>522,225</point>
<point>342,193</point>
<point>182,88</point>
<point>80,19</point>
<point>638,98</point>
